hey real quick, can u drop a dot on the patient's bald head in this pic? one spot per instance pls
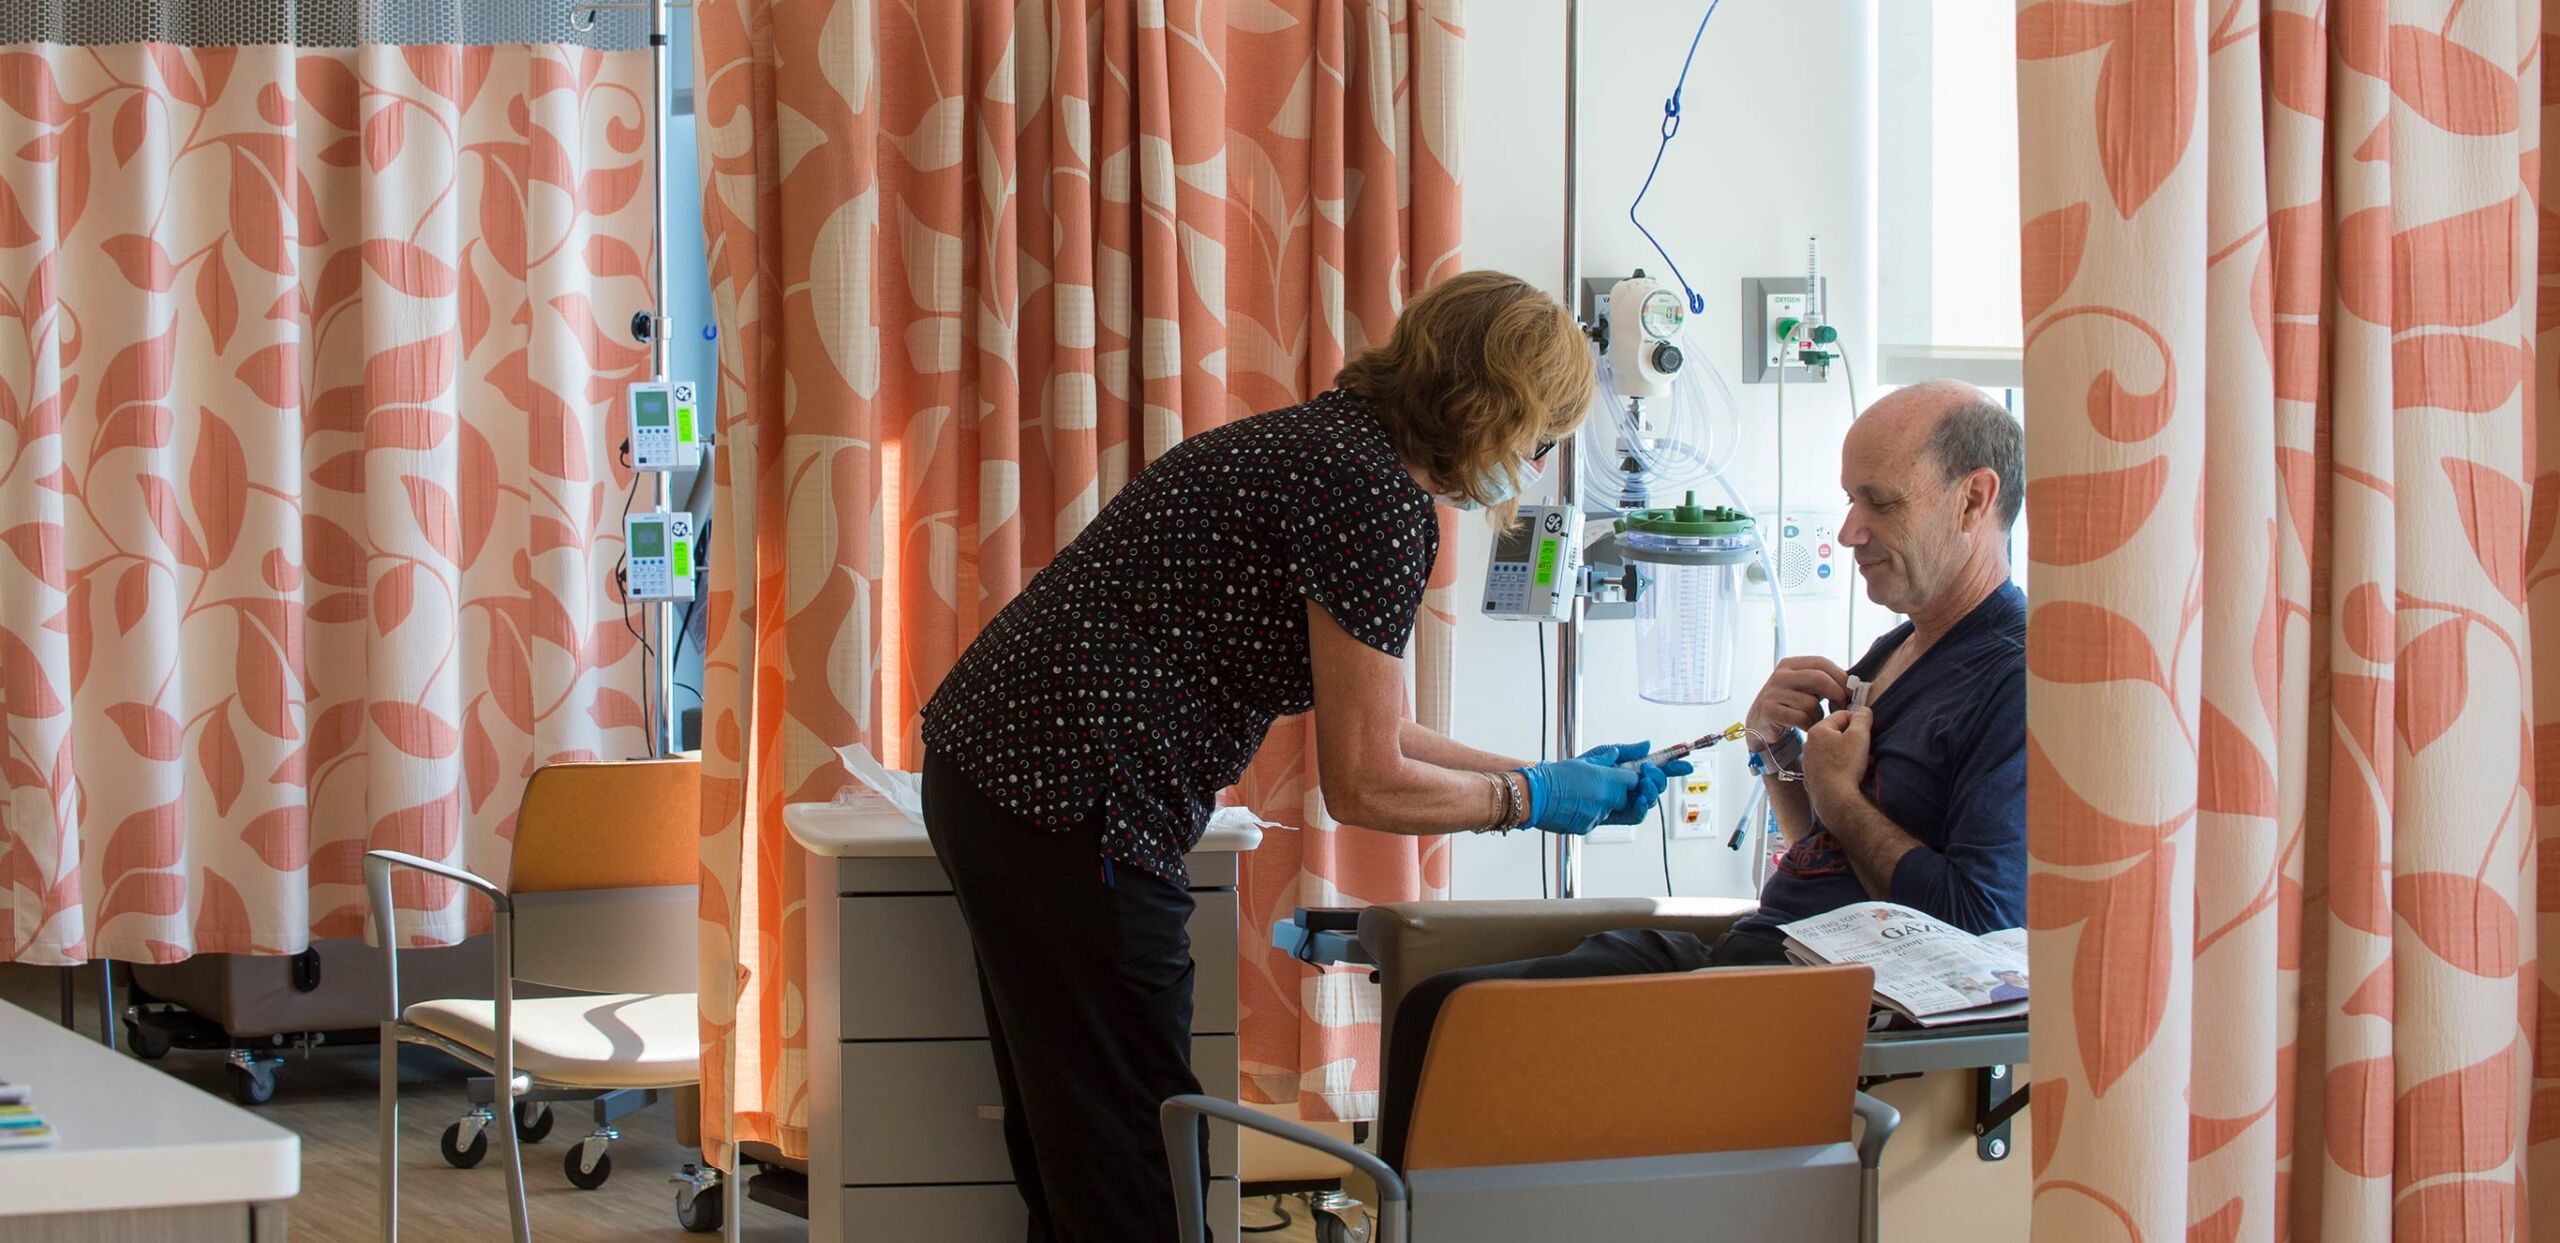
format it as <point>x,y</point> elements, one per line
<point>1936,475</point>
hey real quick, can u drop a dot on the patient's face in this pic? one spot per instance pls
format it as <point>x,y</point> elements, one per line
<point>1904,526</point>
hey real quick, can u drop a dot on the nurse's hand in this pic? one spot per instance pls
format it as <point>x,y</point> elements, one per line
<point>1651,779</point>
<point>1575,796</point>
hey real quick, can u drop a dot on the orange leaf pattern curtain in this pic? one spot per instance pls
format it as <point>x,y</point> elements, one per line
<point>2291,504</point>
<point>975,264</point>
<point>306,362</point>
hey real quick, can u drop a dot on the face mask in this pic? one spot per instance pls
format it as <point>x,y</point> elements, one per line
<point>1495,484</point>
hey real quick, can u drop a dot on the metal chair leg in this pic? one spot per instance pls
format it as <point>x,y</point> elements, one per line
<point>70,999</point>
<point>388,1142</point>
<point>515,1166</point>
<point>107,1002</point>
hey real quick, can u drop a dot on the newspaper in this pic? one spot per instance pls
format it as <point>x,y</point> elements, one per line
<point>1931,972</point>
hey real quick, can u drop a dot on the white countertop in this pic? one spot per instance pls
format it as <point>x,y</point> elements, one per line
<point>127,1136</point>
<point>878,831</point>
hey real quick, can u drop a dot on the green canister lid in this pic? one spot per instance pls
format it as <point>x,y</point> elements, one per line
<point>1687,520</point>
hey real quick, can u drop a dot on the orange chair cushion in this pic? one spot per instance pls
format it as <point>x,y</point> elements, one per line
<point>1526,1071</point>
<point>609,825</point>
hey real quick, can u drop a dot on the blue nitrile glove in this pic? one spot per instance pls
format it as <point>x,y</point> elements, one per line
<point>1575,796</point>
<point>1651,779</point>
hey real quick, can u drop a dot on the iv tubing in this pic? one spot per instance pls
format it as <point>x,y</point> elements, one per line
<point>1850,587</point>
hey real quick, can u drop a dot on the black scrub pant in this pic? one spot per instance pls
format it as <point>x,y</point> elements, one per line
<point>1086,977</point>
<point>1632,951</point>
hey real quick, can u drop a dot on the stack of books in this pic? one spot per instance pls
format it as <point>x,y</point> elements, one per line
<point>20,1125</point>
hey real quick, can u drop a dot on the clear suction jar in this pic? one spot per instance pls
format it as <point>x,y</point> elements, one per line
<point>1688,562</point>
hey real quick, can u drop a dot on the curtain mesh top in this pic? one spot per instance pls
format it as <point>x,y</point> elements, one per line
<point>313,23</point>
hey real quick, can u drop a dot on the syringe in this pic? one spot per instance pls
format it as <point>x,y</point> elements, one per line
<point>1730,733</point>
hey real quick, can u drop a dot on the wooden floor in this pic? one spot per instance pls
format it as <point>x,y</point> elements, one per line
<point>330,1100</point>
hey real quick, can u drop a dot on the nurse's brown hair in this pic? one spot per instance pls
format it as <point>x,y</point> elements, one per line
<point>1481,371</point>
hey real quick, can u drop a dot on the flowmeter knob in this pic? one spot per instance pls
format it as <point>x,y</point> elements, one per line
<point>1667,358</point>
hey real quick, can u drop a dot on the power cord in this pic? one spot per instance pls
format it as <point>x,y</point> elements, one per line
<point>1539,633</point>
<point>622,580</point>
<point>1662,810</point>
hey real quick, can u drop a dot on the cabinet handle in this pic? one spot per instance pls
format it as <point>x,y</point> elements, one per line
<point>990,1113</point>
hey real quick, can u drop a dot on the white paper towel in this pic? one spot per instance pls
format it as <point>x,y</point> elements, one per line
<point>903,791</point>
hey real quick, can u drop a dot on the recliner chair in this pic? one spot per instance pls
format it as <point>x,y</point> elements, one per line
<point>1627,1108</point>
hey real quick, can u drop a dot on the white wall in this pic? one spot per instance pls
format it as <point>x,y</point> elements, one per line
<point>1777,142</point>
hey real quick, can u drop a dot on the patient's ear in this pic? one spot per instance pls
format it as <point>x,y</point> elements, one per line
<point>1980,497</point>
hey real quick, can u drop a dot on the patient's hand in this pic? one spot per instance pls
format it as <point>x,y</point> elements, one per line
<point>1835,760</point>
<point>1792,698</point>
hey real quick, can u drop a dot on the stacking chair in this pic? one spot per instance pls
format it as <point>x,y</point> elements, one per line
<point>1620,1110</point>
<point>601,901</point>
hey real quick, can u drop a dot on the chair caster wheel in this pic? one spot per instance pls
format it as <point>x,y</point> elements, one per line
<point>701,1212</point>
<point>533,1121</point>
<point>249,1087</point>
<point>147,1042</point>
<point>1332,1229</point>
<point>458,1156</point>
<point>574,1165</point>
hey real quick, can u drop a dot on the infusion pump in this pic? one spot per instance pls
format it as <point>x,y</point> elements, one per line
<point>665,435</point>
<point>658,555</point>
<point>1536,568</point>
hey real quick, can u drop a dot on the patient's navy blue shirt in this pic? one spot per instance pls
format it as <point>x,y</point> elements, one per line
<point>1948,765</point>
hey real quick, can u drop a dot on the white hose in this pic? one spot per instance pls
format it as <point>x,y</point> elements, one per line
<point>1695,445</point>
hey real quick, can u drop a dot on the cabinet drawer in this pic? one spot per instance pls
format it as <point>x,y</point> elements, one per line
<point>910,874</point>
<point>930,1112</point>
<point>980,1214</point>
<point>907,973</point>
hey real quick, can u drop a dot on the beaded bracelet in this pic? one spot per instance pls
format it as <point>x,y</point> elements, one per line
<point>1510,816</point>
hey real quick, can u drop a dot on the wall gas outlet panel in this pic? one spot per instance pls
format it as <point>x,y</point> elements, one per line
<point>666,435</point>
<point>658,555</point>
<point>1765,301</point>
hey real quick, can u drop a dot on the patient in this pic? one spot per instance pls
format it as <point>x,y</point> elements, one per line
<point>1919,797</point>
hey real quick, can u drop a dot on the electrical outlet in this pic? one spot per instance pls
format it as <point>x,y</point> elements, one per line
<point>1692,807</point>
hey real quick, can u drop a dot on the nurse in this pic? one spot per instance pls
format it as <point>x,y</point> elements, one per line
<point>1268,567</point>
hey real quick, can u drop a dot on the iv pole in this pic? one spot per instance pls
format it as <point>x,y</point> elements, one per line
<point>1565,861</point>
<point>667,732</point>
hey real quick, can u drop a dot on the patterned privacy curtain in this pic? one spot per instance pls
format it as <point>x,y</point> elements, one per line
<point>309,334</point>
<point>975,264</point>
<point>2293,704</point>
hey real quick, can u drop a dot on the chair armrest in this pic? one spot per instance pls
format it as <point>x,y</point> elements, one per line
<point>1182,1117</point>
<point>377,887</point>
<point>1413,941</point>
<point>1881,1121</point>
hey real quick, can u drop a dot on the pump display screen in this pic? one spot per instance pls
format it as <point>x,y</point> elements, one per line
<point>649,409</point>
<point>1517,543</point>
<point>648,539</point>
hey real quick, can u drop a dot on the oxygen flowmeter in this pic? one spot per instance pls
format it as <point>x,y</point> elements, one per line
<point>659,547</point>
